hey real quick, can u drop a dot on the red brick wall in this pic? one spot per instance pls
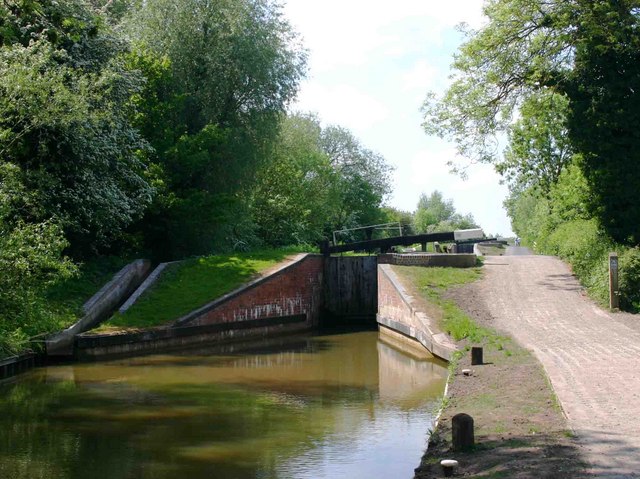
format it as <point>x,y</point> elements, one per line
<point>293,290</point>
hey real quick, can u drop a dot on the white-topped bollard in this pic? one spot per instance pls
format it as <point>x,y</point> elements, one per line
<point>448,466</point>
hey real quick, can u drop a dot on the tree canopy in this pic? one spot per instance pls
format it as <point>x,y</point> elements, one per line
<point>561,70</point>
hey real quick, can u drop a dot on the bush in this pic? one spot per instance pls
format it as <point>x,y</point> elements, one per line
<point>586,249</point>
<point>629,279</point>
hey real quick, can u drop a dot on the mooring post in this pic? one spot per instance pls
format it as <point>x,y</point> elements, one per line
<point>476,356</point>
<point>614,298</point>
<point>462,432</point>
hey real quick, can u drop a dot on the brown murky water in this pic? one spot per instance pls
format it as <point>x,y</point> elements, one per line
<point>332,406</point>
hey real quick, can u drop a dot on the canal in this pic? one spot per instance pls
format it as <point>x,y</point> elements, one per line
<point>323,406</point>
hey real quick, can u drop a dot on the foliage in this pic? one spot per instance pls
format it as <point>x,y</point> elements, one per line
<point>436,214</point>
<point>604,88</point>
<point>186,286</point>
<point>538,148</point>
<point>295,196</point>
<point>405,218</point>
<point>319,180</point>
<point>579,54</point>
<point>364,178</point>
<point>220,76</point>
<point>30,261</point>
<point>64,111</point>
<point>629,279</point>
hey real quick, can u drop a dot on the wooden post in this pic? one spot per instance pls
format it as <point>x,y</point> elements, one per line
<point>476,356</point>
<point>462,432</point>
<point>424,247</point>
<point>614,298</point>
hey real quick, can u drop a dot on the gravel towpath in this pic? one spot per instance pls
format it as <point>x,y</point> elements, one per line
<point>591,356</point>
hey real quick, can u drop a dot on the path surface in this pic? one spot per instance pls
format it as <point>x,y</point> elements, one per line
<point>592,356</point>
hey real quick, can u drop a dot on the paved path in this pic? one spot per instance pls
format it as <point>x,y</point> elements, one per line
<point>592,356</point>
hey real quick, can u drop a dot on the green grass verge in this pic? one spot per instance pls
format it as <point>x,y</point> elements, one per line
<point>431,283</point>
<point>186,286</point>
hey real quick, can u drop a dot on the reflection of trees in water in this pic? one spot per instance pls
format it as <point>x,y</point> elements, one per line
<point>146,419</point>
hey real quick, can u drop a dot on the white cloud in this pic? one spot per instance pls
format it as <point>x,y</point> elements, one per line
<point>339,32</point>
<point>342,104</point>
<point>422,76</point>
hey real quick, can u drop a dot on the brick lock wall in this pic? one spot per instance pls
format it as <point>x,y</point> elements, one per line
<point>295,290</point>
<point>455,260</point>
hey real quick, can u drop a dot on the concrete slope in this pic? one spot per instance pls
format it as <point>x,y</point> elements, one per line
<point>592,356</point>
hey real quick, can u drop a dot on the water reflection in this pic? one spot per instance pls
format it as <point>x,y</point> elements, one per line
<point>343,405</point>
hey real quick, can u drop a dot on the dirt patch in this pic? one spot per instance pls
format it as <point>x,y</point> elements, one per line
<point>520,430</point>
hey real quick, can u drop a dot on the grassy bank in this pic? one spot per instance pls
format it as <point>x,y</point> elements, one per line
<point>520,430</point>
<point>430,284</point>
<point>190,284</point>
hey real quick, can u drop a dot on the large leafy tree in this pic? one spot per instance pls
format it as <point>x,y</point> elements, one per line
<point>221,75</point>
<point>64,121</point>
<point>435,213</point>
<point>585,52</point>
<point>364,178</point>
<point>296,197</point>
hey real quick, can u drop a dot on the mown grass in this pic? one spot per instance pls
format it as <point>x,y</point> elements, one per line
<point>193,283</point>
<point>431,283</point>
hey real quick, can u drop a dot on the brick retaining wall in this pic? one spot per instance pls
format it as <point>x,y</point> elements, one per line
<point>452,260</point>
<point>294,289</point>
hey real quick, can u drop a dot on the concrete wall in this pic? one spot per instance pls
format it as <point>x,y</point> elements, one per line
<point>350,287</point>
<point>398,313</point>
<point>100,306</point>
<point>453,260</point>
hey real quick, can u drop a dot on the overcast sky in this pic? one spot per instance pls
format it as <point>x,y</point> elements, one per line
<point>371,64</point>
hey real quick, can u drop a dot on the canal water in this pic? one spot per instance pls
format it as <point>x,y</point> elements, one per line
<point>325,406</point>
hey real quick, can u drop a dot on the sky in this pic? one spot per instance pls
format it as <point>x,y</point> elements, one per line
<point>371,64</point>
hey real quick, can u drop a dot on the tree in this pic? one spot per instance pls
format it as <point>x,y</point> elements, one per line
<point>583,51</point>
<point>221,74</point>
<point>30,260</point>
<point>604,88</point>
<point>64,121</point>
<point>435,214</point>
<point>364,178</point>
<point>295,197</point>
<point>538,148</point>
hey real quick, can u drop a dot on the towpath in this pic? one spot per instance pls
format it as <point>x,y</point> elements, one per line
<point>591,356</point>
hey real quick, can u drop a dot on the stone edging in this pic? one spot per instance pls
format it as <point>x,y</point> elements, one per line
<point>437,343</point>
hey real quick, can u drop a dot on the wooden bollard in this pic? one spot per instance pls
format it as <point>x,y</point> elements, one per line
<point>462,432</point>
<point>476,356</point>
